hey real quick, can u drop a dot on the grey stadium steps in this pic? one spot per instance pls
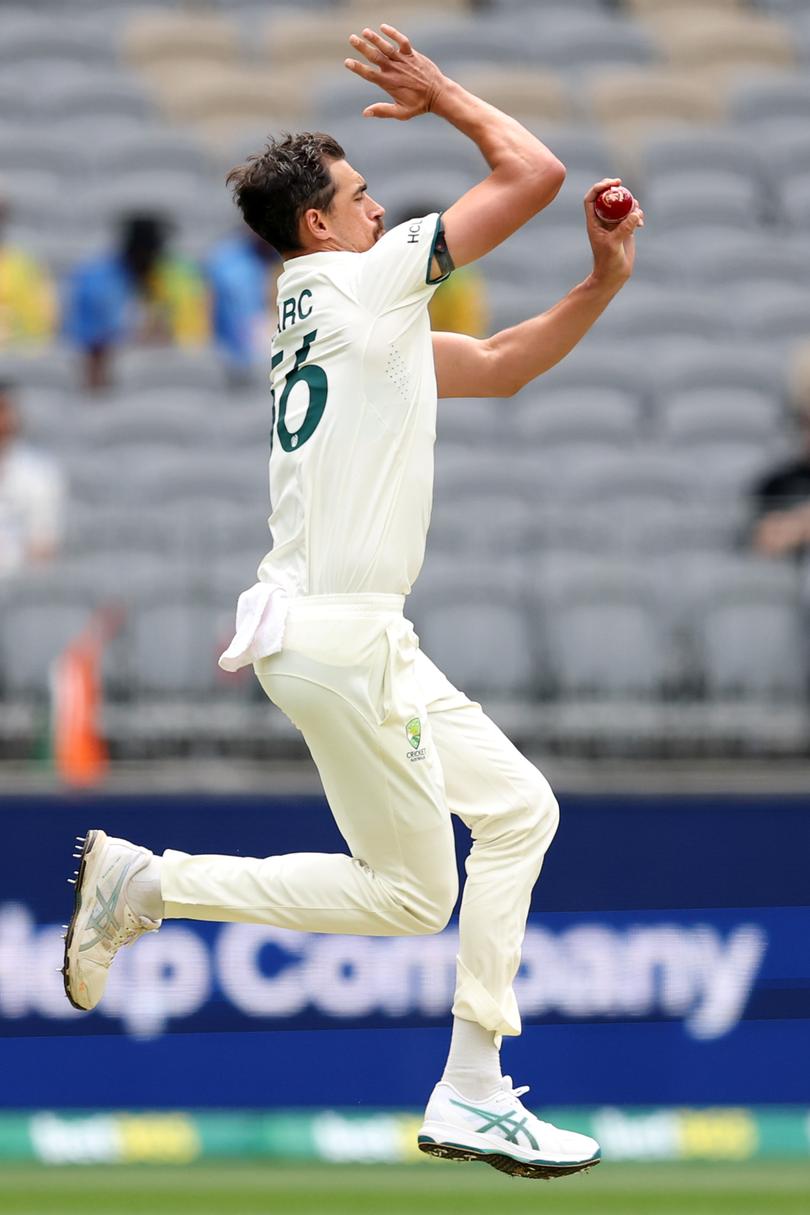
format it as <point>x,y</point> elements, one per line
<point>719,413</point>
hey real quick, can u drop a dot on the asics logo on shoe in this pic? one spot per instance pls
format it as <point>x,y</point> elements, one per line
<point>103,918</point>
<point>507,1123</point>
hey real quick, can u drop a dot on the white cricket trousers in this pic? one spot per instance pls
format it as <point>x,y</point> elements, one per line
<point>398,749</point>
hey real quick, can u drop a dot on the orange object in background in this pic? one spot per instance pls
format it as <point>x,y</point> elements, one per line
<point>79,752</point>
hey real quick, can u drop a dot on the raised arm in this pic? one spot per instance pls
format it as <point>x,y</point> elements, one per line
<point>524,175</point>
<point>501,365</point>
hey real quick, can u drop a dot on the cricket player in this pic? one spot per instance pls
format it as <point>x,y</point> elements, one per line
<point>355,378</point>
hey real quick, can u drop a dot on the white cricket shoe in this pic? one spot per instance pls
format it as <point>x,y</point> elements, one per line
<point>102,919</point>
<point>500,1131</point>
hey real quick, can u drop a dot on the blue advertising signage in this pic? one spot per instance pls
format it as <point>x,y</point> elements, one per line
<point>665,959</point>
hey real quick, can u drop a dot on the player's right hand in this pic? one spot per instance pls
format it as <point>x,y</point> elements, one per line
<point>412,80</point>
<point>613,246</point>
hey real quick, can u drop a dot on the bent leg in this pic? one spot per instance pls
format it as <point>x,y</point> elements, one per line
<point>513,816</point>
<point>400,878</point>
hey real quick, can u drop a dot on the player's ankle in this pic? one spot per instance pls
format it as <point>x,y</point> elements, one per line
<point>143,892</point>
<point>473,1065</point>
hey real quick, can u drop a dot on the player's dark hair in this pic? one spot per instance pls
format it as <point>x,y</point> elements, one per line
<point>275,187</point>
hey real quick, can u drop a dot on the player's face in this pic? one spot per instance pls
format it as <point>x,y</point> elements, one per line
<point>355,220</point>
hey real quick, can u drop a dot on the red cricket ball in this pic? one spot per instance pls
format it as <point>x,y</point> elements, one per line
<point>613,204</point>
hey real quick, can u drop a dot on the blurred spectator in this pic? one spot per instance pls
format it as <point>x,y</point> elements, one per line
<point>27,297</point>
<point>242,272</point>
<point>459,304</point>
<point>140,294</point>
<point>782,502</point>
<point>31,496</point>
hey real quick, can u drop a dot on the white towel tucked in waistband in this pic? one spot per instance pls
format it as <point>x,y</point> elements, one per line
<point>261,614</point>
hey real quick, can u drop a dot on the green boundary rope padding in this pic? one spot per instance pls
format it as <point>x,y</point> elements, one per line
<point>642,1135</point>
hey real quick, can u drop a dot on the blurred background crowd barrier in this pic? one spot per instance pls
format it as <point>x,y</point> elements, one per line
<point>618,556</point>
<point>664,969</point>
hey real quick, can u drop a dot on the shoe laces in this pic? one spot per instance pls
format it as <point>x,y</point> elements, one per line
<point>514,1092</point>
<point>518,1093</point>
<point>125,934</point>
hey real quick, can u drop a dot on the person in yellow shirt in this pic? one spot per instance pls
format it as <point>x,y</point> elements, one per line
<point>459,304</point>
<point>27,296</point>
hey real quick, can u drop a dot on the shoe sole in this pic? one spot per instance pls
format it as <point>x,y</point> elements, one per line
<point>84,858</point>
<point>504,1164</point>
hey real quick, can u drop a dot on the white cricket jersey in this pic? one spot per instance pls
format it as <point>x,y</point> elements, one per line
<point>351,466</point>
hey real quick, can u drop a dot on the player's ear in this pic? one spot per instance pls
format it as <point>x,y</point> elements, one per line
<point>314,226</point>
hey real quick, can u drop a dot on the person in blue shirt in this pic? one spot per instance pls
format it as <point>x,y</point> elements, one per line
<point>140,293</point>
<point>241,272</point>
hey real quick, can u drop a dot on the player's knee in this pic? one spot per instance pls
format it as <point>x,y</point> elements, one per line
<point>437,902</point>
<point>539,817</point>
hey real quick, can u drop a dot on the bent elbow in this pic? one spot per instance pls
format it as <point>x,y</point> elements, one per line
<point>543,179</point>
<point>551,179</point>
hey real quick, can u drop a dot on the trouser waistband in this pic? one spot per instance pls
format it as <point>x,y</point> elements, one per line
<point>368,603</point>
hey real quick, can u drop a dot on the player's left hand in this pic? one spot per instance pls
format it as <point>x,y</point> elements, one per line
<point>613,245</point>
<point>413,80</point>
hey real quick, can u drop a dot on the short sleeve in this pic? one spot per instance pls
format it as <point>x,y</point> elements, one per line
<point>403,264</point>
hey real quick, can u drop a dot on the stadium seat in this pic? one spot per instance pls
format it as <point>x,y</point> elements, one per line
<point>204,524</point>
<point>727,201</point>
<point>478,422</point>
<point>486,643</point>
<point>560,254</point>
<point>525,93</point>
<point>585,152</point>
<point>485,40</point>
<point>667,8</point>
<point>34,50</point>
<point>458,469</point>
<point>752,649</point>
<point>153,39</point>
<point>645,469</point>
<point>664,157</point>
<point>39,619</point>
<point>554,416</point>
<point>584,44</point>
<point>793,201</point>
<point>740,364</point>
<point>173,477</point>
<point>30,193</point>
<point>32,149</point>
<point>777,313</point>
<point>233,97</point>
<point>787,151</point>
<point>733,261</point>
<point>693,416</point>
<point>172,644</point>
<point>290,37</point>
<point>759,103</point>
<point>119,100</point>
<point>798,377</point>
<point>594,366</point>
<point>483,523</point>
<point>246,422</point>
<point>169,367</point>
<point>423,146</point>
<point>610,645</point>
<point>46,366</point>
<point>649,311</point>
<point>713,40</point>
<point>639,99</point>
<point>157,150</point>
<point>184,418</point>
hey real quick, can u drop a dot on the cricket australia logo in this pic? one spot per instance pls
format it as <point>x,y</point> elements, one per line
<point>413,733</point>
